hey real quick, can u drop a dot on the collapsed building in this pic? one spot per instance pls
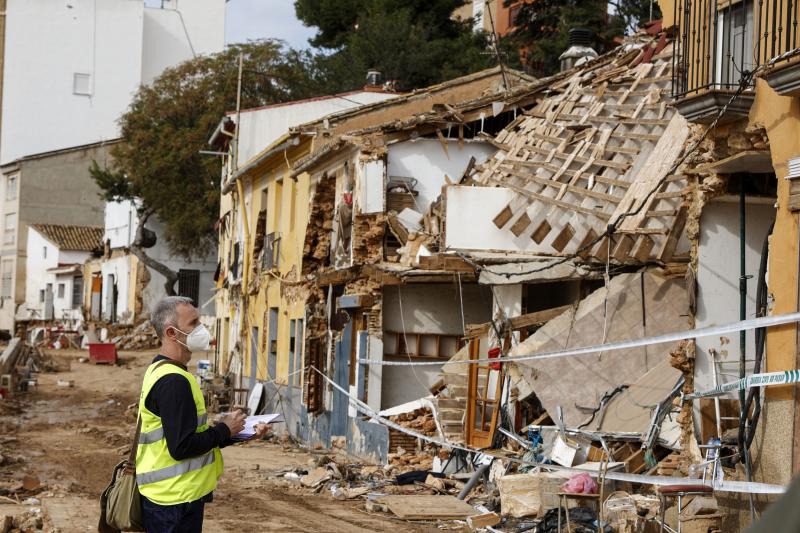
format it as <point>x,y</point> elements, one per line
<point>534,218</point>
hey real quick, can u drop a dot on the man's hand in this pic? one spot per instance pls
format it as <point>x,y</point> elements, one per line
<point>235,421</point>
<point>262,430</point>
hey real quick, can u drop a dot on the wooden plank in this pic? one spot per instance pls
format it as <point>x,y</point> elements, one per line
<point>503,217</point>
<point>590,236</point>
<point>563,238</point>
<point>659,162</point>
<point>754,161</point>
<point>550,182</point>
<point>643,249</point>
<point>541,232</point>
<point>445,262</point>
<point>520,322</point>
<point>428,507</point>
<point>521,223</point>
<point>546,199</point>
<point>553,168</point>
<point>623,248</point>
<point>671,242</point>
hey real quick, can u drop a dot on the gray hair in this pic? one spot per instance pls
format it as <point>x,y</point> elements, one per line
<point>165,313</point>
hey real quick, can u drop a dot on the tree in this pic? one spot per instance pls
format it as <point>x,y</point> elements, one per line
<point>168,122</point>
<point>415,42</point>
<point>542,27</point>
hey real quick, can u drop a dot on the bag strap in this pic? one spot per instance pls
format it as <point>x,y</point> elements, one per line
<point>135,445</point>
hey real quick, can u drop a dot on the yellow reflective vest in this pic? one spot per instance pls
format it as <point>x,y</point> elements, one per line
<point>162,479</point>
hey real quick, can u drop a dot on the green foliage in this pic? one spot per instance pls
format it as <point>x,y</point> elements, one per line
<point>542,27</point>
<point>415,42</point>
<point>169,121</point>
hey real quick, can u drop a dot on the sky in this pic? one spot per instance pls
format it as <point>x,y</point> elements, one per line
<point>258,19</point>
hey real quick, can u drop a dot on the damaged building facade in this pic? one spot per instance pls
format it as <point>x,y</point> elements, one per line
<point>527,219</point>
<point>351,196</point>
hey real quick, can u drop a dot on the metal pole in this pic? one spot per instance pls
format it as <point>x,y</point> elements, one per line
<point>743,416</point>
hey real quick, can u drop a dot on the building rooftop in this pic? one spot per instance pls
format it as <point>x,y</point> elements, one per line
<point>67,237</point>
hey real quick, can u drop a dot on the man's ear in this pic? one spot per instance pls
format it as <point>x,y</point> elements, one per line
<point>169,332</point>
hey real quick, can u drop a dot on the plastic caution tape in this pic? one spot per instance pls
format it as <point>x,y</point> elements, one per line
<point>767,379</point>
<point>743,487</point>
<point>712,331</point>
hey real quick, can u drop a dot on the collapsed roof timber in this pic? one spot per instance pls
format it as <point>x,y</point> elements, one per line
<point>471,220</point>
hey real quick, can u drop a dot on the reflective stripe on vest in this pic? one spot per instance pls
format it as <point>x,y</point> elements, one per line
<point>157,434</point>
<point>161,478</point>
<point>195,463</point>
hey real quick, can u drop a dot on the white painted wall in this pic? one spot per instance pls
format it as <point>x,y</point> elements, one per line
<point>470,211</point>
<point>262,126</point>
<point>427,308</point>
<point>46,44</point>
<point>371,186</point>
<point>120,268</point>
<point>121,223</point>
<point>426,161</point>
<point>178,32</point>
<point>43,255</point>
<point>718,283</point>
<point>118,43</point>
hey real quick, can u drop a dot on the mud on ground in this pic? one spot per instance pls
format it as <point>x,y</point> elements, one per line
<point>58,447</point>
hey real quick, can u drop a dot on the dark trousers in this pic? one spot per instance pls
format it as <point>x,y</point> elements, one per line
<point>179,518</point>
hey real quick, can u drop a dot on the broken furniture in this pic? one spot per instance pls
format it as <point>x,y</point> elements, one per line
<point>102,352</point>
<point>697,489</point>
<point>564,497</point>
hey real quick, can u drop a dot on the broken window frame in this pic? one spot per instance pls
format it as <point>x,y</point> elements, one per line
<point>313,386</point>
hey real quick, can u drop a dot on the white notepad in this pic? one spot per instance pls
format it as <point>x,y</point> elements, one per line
<point>251,421</point>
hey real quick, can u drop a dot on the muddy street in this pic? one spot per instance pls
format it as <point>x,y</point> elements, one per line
<point>58,445</point>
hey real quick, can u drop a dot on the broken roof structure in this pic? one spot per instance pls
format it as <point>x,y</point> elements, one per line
<point>594,152</point>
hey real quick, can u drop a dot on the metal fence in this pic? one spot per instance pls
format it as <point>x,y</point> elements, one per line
<point>716,41</point>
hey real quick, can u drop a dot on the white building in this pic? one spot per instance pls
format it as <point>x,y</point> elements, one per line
<point>70,69</point>
<point>123,289</point>
<point>55,271</point>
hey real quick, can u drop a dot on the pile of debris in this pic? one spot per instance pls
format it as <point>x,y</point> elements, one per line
<point>20,362</point>
<point>141,337</point>
<point>420,420</point>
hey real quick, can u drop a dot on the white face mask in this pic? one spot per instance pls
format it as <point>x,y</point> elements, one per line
<point>198,340</point>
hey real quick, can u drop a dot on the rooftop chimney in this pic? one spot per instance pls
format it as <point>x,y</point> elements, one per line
<point>374,78</point>
<point>580,49</point>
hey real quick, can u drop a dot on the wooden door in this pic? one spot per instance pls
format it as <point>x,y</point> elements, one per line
<point>485,386</point>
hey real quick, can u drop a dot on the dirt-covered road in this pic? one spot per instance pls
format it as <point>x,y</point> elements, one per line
<point>58,446</point>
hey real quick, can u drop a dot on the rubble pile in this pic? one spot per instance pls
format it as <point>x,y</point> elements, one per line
<point>420,420</point>
<point>141,337</point>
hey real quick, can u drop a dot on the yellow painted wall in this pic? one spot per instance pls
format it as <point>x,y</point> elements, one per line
<point>780,116</point>
<point>287,205</point>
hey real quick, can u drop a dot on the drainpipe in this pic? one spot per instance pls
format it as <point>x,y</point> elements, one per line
<point>745,453</point>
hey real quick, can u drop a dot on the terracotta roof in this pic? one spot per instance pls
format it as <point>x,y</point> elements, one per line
<point>81,238</point>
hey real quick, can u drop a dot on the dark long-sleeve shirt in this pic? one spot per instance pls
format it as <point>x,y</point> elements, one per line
<point>171,399</point>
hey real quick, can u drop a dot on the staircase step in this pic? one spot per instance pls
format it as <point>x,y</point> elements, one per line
<point>451,403</point>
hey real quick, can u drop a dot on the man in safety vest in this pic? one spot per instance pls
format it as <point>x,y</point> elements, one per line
<point>178,460</point>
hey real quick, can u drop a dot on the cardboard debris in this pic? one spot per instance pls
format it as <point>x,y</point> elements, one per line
<point>528,494</point>
<point>426,507</point>
<point>315,478</point>
<point>483,520</point>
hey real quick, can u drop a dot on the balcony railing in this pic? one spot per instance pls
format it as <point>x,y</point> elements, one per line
<point>717,41</point>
